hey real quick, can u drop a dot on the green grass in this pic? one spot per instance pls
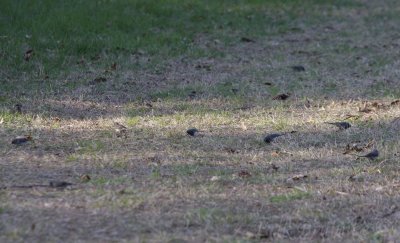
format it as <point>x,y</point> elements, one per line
<point>60,33</point>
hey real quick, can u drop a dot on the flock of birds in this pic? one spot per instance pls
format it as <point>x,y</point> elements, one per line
<point>269,138</point>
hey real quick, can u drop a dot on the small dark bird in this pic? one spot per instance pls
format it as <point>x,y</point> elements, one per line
<point>282,96</point>
<point>246,39</point>
<point>18,108</point>
<point>298,68</point>
<point>192,94</point>
<point>59,184</point>
<point>340,125</point>
<point>192,131</point>
<point>270,137</point>
<point>371,155</point>
<point>21,140</point>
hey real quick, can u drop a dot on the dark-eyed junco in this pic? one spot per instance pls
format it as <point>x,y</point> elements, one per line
<point>59,184</point>
<point>192,131</point>
<point>21,139</point>
<point>270,137</point>
<point>371,155</point>
<point>340,125</point>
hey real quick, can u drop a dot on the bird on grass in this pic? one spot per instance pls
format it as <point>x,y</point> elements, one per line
<point>340,125</point>
<point>21,139</point>
<point>59,184</point>
<point>371,155</point>
<point>192,131</point>
<point>270,137</point>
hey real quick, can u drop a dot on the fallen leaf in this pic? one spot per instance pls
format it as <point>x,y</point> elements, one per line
<point>244,174</point>
<point>376,104</point>
<point>207,67</point>
<point>215,178</point>
<point>231,150</point>
<point>243,126</point>
<point>85,178</point>
<point>275,154</point>
<point>365,110</point>
<point>282,96</point>
<point>392,211</point>
<point>357,177</point>
<point>81,61</point>
<point>121,130</point>
<point>56,119</point>
<point>357,147</point>
<point>98,80</point>
<point>299,177</point>
<point>28,54</point>
<point>95,57</point>
<point>349,116</point>
<point>396,102</point>
<point>295,178</point>
<point>303,189</point>
<point>274,167</point>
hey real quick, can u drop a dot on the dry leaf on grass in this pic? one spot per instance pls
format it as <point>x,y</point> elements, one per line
<point>396,102</point>
<point>275,154</point>
<point>98,80</point>
<point>121,130</point>
<point>215,178</point>
<point>357,147</point>
<point>350,116</point>
<point>231,150</point>
<point>85,178</point>
<point>358,177</point>
<point>298,177</point>
<point>273,167</point>
<point>244,174</point>
<point>207,67</point>
<point>365,110</point>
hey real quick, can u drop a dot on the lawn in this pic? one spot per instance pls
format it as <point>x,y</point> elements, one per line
<point>107,89</point>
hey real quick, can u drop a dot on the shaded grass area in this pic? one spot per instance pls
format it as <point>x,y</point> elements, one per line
<point>161,67</point>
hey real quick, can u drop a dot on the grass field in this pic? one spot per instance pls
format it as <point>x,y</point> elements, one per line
<point>71,73</point>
